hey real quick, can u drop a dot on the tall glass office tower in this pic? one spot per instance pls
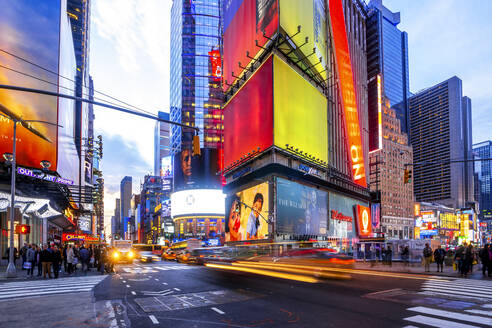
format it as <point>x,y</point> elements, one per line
<point>196,95</point>
<point>387,57</point>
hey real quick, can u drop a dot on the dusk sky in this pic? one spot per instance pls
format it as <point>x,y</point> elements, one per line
<point>130,61</point>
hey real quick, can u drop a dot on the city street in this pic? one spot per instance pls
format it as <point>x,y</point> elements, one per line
<point>168,294</point>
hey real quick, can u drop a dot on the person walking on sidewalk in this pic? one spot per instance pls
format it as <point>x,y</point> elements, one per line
<point>70,259</point>
<point>56,260</point>
<point>439,255</point>
<point>30,257</point>
<point>46,259</point>
<point>405,255</point>
<point>427,257</point>
<point>484,258</point>
<point>84,259</point>
<point>38,260</point>
<point>459,257</point>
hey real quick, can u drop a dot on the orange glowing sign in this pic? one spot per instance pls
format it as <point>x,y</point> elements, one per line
<point>364,223</point>
<point>416,209</point>
<point>342,57</point>
<point>380,114</point>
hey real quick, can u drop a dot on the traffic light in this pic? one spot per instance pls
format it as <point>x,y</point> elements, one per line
<point>23,229</point>
<point>407,176</point>
<point>196,145</point>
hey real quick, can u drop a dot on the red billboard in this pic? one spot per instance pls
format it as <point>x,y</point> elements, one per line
<point>348,92</point>
<point>248,116</point>
<point>245,22</point>
<point>364,224</point>
<point>216,65</point>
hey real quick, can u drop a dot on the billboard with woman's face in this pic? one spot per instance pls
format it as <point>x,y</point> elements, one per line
<point>196,172</point>
<point>247,213</point>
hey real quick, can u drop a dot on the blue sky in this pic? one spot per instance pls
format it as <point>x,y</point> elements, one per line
<point>130,60</point>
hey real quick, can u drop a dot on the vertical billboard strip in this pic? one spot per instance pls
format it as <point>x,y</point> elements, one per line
<point>301,210</point>
<point>245,22</point>
<point>248,116</point>
<point>300,113</point>
<point>246,214</point>
<point>349,99</point>
<point>34,37</point>
<point>310,15</point>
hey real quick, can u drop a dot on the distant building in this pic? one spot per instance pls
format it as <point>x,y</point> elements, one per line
<point>387,166</point>
<point>162,135</point>
<point>116,226</point>
<point>126,198</point>
<point>483,170</point>
<point>440,123</point>
<point>387,57</point>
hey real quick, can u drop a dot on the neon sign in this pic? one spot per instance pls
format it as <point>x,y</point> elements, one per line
<point>44,176</point>
<point>345,74</point>
<point>364,223</point>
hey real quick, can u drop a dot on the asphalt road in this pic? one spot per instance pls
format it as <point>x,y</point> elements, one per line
<point>168,294</point>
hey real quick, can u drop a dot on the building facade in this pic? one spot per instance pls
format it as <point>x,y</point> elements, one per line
<point>483,171</point>
<point>441,132</point>
<point>387,60</point>
<point>387,166</point>
<point>162,141</point>
<point>125,202</point>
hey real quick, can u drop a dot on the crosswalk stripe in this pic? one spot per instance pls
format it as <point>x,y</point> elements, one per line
<point>7,290</point>
<point>49,283</point>
<point>429,293</point>
<point>457,292</point>
<point>476,282</point>
<point>482,312</point>
<point>460,284</point>
<point>161,268</point>
<point>476,289</point>
<point>434,322</point>
<point>488,306</point>
<point>127,269</point>
<point>454,315</point>
<point>59,291</point>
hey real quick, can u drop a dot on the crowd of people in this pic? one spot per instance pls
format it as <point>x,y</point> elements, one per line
<point>49,260</point>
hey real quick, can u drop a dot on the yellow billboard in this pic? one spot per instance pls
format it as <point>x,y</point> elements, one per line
<point>247,213</point>
<point>310,15</point>
<point>300,112</point>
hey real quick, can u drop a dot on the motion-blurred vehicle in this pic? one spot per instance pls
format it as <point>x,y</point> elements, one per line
<point>184,256</point>
<point>148,252</point>
<point>122,252</point>
<point>169,255</point>
<point>211,254</point>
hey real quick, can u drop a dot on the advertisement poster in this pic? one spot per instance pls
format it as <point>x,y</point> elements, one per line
<point>215,65</point>
<point>376,215</point>
<point>84,223</point>
<point>31,30</point>
<point>247,213</point>
<point>301,210</point>
<point>364,224</point>
<point>196,171</point>
<point>167,167</point>
<point>245,22</point>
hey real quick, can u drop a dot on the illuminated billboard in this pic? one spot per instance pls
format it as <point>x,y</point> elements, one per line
<point>167,167</point>
<point>247,213</point>
<point>300,114</point>
<point>364,224</point>
<point>310,15</point>
<point>248,116</point>
<point>348,92</point>
<point>31,30</point>
<point>245,22</point>
<point>197,202</point>
<point>301,210</point>
<point>196,171</point>
<point>215,65</point>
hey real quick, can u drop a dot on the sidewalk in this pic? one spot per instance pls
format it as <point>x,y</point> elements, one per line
<point>417,268</point>
<point>22,274</point>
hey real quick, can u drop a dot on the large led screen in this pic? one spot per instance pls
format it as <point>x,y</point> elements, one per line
<point>247,214</point>
<point>310,15</point>
<point>248,116</point>
<point>197,202</point>
<point>196,171</point>
<point>301,210</point>
<point>29,29</point>
<point>245,21</point>
<point>300,113</point>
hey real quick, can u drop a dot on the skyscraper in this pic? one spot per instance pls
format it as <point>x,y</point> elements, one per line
<point>483,169</point>
<point>162,135</point>
<point>126,198</point>
<point>440,130</point>
<point>387,57</point>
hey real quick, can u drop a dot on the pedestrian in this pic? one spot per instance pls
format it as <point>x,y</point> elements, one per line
<point>405,255</point>
<point>56,260</point>
<point>484,258</point>
<point>469,258</point>
<point>102,259</point>
<point>97,256</point>
<point>16,255</point>
<point>383,255</point>
<point>30,257</point>
<point>38,260</point>
<point>389,255</point>
<point>64,256</point>
<point>70,259</point>
<point>459,257</point>
<point>84,259</point>
<point>427,252</point>
<point>439,255</point>
<point>46,259</point>
<point>23,254</point>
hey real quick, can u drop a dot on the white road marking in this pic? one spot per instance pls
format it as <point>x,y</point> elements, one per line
<point>434,322</point>
<point>217,310</point>
<point>133,293</point>
<point>488,306</point>
<point>128,286</point>
<point>154,319</point>
<point>457,292</point>
<point>454,315</point>
<point>164,283</point>
<point>482,312</point>
<point>177,289</point>
<point>156,279</point>
<point>124,281</point>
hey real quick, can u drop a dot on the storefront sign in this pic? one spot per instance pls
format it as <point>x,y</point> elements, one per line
<point>335,215</point>
<point>309,170</point>
<point>364,224</point>
<point>76,237</point>
<point>43,176</point>
<point>416,209</point>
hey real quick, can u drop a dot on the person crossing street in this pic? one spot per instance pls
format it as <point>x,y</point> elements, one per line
<point>439,255</point>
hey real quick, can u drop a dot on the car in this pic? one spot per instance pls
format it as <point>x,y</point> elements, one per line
<point>169,255</point>
<point>148,256</point>
<point>184,256</point>
<point>123,255</point>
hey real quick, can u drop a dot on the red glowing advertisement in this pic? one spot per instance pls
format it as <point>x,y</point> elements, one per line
<point>79,237</point>
<point>364,224</point>
<point>216,65</point>
<point>248,116</point>
<point>345,74</point>
<point>246,21</point>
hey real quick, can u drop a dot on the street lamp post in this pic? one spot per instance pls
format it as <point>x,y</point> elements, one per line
<point>11,271</point>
